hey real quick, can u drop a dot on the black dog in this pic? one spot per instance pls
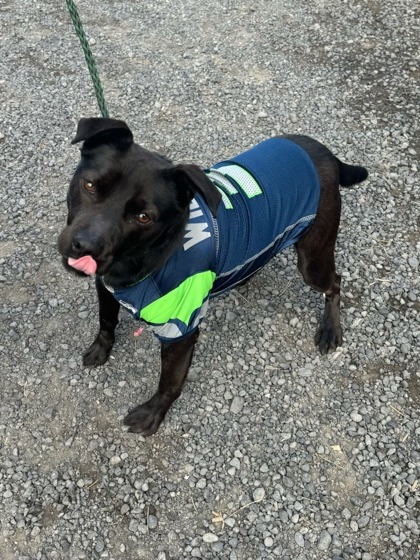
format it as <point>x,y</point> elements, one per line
<point>162,238</point>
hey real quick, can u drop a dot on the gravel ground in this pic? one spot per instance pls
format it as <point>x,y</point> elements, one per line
<point>273,451</point>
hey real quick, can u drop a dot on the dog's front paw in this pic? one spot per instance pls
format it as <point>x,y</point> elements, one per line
<point>146,418</point>
<point>98,352</point>
<point>328,338</point>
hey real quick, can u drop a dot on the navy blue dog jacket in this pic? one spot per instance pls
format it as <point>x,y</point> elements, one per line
<point>270,196</point>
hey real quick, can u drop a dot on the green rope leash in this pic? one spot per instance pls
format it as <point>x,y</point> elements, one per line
<point>89,57</point>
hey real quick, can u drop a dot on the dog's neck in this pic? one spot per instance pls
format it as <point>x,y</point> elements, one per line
<point>128,272</point>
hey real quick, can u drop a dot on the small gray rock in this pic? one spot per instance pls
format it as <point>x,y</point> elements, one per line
<point>363,521</point>
<point>235,463</point>
<point>210,538</point>
<point>83,314</point>
<point>133,526</point>
<point>115,460</point>
<point>299,540</point>
<point>399,501</point>
<point>354,526</point>
<point>268,542</point>
<point>324,540</point>
<point>152,522</point>
<point>237,405</point>
<point>356,416</point>
<point>100,545</point>
<point>258,494</point>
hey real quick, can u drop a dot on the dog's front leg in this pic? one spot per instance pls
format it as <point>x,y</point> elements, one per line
<point>176,359</point>
<point>99,351</point>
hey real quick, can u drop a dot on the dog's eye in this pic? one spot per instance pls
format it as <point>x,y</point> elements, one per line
<point>89,186</point>
<point>143,218</point>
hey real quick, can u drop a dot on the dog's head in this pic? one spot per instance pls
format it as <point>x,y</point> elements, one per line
<point>127,206</point>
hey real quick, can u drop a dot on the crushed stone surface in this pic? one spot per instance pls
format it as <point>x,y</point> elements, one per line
<point>272,451</point>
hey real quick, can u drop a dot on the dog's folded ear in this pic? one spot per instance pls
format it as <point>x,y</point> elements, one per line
<point>96,130</point>
<point>191,179</point>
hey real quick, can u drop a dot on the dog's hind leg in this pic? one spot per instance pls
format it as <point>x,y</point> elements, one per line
<point>318,271</point>
<point>316,247</point>
<point>316,258</point>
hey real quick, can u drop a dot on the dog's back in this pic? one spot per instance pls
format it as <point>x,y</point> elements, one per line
<point>270,196</point>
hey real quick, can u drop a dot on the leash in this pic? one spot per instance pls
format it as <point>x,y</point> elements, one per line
<point>89,58</point>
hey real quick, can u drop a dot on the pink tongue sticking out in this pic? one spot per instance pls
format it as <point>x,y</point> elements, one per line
<point>85,264</point>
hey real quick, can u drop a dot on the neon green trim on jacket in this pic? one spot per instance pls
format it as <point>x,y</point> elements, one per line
<point>181,302</point>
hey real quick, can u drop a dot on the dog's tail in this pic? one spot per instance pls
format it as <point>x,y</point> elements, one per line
<point>351,174</point>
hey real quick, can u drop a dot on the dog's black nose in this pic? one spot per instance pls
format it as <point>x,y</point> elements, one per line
<point>85,242</point>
